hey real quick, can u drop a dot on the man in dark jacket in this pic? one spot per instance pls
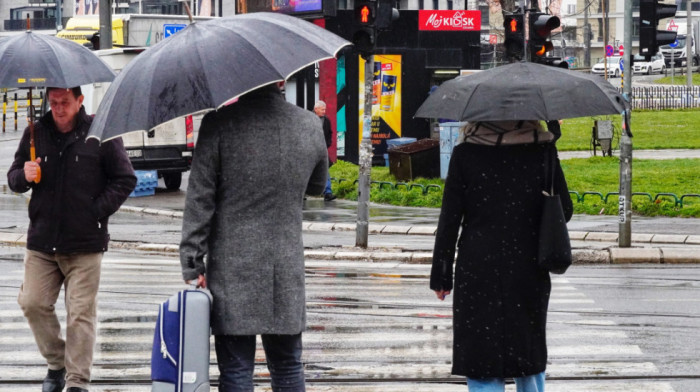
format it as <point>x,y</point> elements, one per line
<point>76,185</point>
<point>320,110</point>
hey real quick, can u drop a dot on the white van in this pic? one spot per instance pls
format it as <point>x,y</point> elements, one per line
<point>168,148</point>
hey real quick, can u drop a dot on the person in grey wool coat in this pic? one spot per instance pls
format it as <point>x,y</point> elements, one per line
<point>242,231</point>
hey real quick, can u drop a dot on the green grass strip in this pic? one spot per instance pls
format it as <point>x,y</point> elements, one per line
<point>598,174</point>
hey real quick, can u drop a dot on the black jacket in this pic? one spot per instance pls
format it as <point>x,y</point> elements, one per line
<point>82,184</point>
<point>494,194</point>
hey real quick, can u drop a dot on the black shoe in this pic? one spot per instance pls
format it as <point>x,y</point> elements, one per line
<point>55,381</point>
<point>76,389</point>
<point>329,197</point>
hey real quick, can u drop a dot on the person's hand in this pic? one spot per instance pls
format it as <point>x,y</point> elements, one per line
<point>31,170</point>
<point>441,294</point>
<point>201,281</point>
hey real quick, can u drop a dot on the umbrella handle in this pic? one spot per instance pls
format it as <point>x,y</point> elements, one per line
<point>32,152</point>
<point>32,149</point>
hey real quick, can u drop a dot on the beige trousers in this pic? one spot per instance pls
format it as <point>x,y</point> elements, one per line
<point>44,274</point>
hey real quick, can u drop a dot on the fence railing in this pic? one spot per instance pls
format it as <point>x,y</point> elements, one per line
<point>665,97</point>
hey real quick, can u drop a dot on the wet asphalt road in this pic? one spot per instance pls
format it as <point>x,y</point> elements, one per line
<point>377,327</point>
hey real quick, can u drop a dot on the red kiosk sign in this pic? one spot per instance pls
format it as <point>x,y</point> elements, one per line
<point>449,20</point>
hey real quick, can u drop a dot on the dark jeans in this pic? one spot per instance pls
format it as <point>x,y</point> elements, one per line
<point>236,358</point>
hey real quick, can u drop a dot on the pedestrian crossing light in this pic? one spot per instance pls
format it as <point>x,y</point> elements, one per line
<point>650,13</point>
<point>514,42</point>
<point>541,26</point>
<point>364,33</point>
<point>365,13</point>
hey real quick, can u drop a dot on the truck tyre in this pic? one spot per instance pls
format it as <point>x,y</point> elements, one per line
<point>617,73</point>
<point>172,180</point>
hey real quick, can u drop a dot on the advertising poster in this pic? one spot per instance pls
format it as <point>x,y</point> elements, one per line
<point>386,100</point>
<point>284,6</point>
<point>87,7</point>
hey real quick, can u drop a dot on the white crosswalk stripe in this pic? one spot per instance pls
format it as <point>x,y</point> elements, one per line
<point>393,337</point>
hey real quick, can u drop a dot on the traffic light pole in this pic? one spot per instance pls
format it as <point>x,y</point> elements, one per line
<point>365,160</point>
<point>625,202</point>
<point>105,24</point>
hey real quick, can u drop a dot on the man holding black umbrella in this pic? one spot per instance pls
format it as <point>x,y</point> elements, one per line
<point>76,185</point>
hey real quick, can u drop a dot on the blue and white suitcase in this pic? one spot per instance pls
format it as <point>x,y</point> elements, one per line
<point>180,357</point>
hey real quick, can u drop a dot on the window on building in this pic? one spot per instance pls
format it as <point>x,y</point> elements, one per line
<point>450,5</point>
<point>436,4</point>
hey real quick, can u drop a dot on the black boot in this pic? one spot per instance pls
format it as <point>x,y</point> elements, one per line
<point>76,389</point>
<point>55,381</point>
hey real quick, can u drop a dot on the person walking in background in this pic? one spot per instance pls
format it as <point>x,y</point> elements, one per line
<point>320,110</point>
<point>82,183</point>
<point>493,192</point>
<point>254,161</point>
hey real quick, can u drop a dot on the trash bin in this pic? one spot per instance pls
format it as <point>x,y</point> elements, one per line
<point>396,142</point>
<point>449,132</point>
<point>417,159</point>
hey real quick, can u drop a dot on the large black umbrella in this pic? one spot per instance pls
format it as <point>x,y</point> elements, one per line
<point>38,60</point>
<point>522,91</point>
<point>208,64</point>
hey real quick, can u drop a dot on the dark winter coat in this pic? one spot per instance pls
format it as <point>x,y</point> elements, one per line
<point>253,163</point>
<point>494,194</point>
<point>81,185</point>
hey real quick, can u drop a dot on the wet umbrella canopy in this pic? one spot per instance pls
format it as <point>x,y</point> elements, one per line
<point>38,60</point>
<point>206,65</point>
<point>522,91</point>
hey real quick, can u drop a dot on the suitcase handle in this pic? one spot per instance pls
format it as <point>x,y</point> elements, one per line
<point>163,346</point>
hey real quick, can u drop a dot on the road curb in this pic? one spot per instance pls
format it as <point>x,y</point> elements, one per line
<point>580,256</point>
<point>430,230</point>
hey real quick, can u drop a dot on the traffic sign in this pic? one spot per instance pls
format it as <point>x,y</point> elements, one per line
<point>170,29</point>
<point>493,39</point>
<point>609,51</point>
<point>622,50</point>
<point>674,44</point>
<point>622,65</point>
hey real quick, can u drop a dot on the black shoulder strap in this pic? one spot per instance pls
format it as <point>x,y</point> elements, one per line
<point>549,168</point>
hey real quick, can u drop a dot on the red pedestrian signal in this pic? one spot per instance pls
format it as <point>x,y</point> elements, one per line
<point>514,42</point>
<point>364,14</point>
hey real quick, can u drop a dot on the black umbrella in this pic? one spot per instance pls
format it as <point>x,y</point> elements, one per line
<point>523,91</point>
<point>37,60</point>
<point>207,65</point>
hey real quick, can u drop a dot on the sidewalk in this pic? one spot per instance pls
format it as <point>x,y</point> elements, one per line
<point>402,223</point>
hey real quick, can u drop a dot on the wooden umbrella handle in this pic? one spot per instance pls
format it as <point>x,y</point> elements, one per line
<point>32,149</point>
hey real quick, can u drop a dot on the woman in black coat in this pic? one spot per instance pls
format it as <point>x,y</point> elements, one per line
<point>494,194</point>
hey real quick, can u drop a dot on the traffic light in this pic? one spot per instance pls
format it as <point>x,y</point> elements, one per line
<point>650,13</point>
<point>514,25</point>
<point>364,36</point>
<point>386,14</point>
<point>541,26</point>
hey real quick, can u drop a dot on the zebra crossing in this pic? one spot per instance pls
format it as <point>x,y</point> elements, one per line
<point>371,327</point>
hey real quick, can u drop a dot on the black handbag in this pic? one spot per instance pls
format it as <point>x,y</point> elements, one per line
<point>554,246</point>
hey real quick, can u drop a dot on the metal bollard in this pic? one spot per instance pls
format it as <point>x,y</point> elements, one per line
<point>4,110</point>
<point>15,111</point>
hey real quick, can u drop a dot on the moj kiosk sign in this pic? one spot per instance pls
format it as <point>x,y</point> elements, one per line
<point>449,20</point>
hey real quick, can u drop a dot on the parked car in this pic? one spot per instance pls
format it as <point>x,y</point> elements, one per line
<point>614,70</point>
<point>657,64</point>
